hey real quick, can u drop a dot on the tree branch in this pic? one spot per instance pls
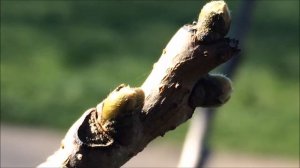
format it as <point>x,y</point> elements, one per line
<point>171,93</point>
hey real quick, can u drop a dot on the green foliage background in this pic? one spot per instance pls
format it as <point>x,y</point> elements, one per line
<point>59,58</point>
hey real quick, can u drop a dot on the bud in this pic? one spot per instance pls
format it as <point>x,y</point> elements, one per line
<point>213,22</point>
<point>121,102</point>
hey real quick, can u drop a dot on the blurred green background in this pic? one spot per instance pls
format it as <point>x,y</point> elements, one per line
<point>59,58</point>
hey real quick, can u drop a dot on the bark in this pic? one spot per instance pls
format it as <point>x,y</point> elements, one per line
<point>192,52</point>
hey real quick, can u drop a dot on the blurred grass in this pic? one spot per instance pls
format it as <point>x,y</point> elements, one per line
<point>60,58</point>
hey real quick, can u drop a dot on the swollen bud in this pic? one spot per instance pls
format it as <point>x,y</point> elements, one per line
<point>211,91</point>
<point>121,102</point>
<point>213,22</point>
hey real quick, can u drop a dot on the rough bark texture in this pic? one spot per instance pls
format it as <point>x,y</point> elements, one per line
<point>168,90</point>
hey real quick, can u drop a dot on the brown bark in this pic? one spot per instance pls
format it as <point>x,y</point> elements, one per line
<point>192,52</point>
